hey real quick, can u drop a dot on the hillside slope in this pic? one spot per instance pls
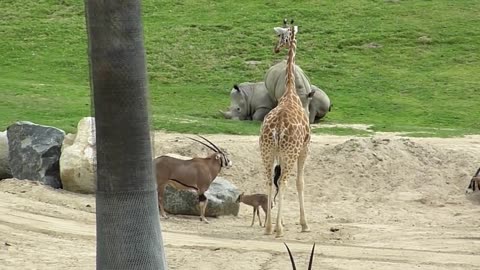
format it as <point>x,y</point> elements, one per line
<point>399,65</point>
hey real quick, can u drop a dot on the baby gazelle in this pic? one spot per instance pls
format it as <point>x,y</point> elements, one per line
<point>310,263</point>
<point>255,200</point>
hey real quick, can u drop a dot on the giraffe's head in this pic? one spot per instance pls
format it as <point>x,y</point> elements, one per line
<point>285,35</point>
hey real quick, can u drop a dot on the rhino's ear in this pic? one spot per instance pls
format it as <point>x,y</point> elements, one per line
<point>236,87</point>
<point>310,95</point>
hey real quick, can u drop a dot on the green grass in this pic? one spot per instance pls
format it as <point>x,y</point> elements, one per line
<point>342,131</point>
<point>196,50</point>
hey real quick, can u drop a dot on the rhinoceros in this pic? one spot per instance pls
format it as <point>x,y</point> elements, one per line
<point>249,101</point>
<point>275,80</point>
<point>319,106</point>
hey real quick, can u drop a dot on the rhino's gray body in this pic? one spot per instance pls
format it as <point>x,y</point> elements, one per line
<point>252,102</point>
<point>249,101</point>
<point>275,82</point>
<point>319,106</point>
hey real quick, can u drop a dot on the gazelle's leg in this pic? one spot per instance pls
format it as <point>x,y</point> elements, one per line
<point>300,186</point>
<point>265,212</point>
<point>202,200</point>
<point>259,219</point>
<point>253,218</point>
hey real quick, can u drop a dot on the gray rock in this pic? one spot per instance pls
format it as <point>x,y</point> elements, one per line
<point>4,168</point>
<point>221,195</point>
<point>34,152</point>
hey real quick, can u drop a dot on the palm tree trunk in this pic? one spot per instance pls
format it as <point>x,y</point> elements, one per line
<point>128,225</point>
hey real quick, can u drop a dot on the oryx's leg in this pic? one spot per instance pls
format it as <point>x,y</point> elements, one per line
<point>202,200</point>
<point>253,218</point>
<point>161,191</point>
<point>300,182</point>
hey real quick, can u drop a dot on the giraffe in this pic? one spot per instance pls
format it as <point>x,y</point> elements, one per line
<point>285,136</point>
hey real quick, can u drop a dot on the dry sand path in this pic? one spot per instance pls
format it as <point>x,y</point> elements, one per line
<point>402,208</point>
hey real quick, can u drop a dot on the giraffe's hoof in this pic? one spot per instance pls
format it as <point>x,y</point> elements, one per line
<point>204,220</point>
<point>279,234</point>
<point>268,231</point>
<point>305,228</point>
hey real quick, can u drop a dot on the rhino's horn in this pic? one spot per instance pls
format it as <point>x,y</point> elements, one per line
<point>227,115</point>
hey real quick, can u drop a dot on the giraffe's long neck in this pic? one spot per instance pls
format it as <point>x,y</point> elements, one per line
<point>290,82</point>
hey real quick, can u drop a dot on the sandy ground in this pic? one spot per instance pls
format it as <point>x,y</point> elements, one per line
<point>381,202</point>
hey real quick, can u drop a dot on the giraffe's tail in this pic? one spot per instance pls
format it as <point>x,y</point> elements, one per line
<point>276,176</point>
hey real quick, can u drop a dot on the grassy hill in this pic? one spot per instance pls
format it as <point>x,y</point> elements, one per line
<point>399,65</point>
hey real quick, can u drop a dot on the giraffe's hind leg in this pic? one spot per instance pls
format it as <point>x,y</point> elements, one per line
<point>287,164</point>
<point>300,186</point>
<point>268,161</point>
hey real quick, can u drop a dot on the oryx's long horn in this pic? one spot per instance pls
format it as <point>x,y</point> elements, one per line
<point>211,148</point>
<point>477,173</point>
<point>220,151</point>
<point>311,258</point>
<point>291,257</point>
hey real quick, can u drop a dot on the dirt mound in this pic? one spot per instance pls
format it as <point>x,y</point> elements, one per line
<point>375,169</point>
<point>385,166</point>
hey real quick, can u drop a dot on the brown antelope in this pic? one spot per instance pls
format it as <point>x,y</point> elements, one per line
<point>256,201</point>
<point>195,174</point>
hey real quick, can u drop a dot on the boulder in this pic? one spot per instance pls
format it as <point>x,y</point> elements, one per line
<point>34,151</point>
<point>4,168</point>
<point>221,195</point>
<point>77,162</point>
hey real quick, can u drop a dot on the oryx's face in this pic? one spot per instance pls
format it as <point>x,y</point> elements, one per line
<point>224,161</point>
<point>219,154</point>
